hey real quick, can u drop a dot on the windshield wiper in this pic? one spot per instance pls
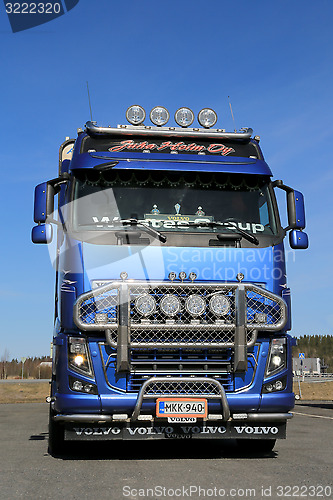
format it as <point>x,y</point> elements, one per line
<point>228,225</point>
<point>135,222</point>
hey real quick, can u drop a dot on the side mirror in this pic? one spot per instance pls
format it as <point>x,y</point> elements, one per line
<point>296,210</point>
<point>42,233</point>
<point>44,201</point>
<point>298,239</point>
<point>295,206</point>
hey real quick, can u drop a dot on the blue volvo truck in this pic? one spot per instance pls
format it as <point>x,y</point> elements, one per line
<point>171,300</point>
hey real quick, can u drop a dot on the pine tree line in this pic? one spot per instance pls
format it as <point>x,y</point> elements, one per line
<point>316,346</point>
<point>32,368</point>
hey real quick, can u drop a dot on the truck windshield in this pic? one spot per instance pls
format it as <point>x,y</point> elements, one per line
<point>170,201</point>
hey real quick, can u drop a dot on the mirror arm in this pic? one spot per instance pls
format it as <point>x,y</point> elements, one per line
<point>279,184</point>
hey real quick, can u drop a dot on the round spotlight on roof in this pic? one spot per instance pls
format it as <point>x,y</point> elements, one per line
<point>184,117</point>
<point>159,116</point>
<point>207,118</point>
<point>135,115</point>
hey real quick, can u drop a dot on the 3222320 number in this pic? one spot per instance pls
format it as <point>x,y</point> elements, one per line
<point>33,8</point>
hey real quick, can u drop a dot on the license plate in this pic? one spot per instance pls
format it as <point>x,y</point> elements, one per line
<point>181,407</point>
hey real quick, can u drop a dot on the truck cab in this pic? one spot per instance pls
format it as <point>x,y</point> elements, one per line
<point>172,307</point>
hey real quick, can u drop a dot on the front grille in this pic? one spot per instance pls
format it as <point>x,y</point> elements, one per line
<point>117,303</point>
<point>182,388</point>
<point>135,382</point>
<point>180,363</point>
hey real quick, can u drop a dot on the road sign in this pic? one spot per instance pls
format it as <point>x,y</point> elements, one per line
<point>301,355</point>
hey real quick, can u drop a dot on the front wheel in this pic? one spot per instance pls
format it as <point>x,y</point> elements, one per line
<point>256,445</point>
<point>56,436</point>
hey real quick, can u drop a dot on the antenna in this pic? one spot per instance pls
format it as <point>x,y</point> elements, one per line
<point>91,118</point>
<point>232,115</point>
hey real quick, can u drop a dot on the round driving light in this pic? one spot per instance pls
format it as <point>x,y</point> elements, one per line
<point>269,387</point>
<point>159,116</point>
<point>192,276</point>
<point>170,305</point>
<point>219,305</point>
<point>278,385</point>
<point>135,115</point>
<point>145,304</point>
<point>123,275</point>
<point>172,276</point>
<point>182,275</point>
<point>195,305</point>
<point>184,117</point>
<point>207,117</point>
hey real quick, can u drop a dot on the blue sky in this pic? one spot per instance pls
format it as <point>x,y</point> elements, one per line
<point>274,59</point>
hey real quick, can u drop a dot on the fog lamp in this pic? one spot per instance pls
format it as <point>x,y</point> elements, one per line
<point>77,385</point>
<point>278,385</point>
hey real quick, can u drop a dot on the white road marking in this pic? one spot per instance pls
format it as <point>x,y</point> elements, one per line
<point>309,415</point>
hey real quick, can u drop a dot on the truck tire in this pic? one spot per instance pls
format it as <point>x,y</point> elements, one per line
<point>256,445</point>
<point>56,437</point>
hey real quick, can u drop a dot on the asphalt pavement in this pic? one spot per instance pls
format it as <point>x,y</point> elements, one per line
<point>299,467</point>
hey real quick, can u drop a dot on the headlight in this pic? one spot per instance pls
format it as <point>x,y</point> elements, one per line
<point>78,356</point>
<point>195,305</point>
<point>145,305</point>
<point>219,305</point>
<point>170,305</point>
<point>277,359</point>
